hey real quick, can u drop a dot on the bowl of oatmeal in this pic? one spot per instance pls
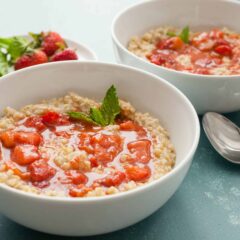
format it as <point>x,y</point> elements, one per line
<point>190,46</point>
<point>79,146</point>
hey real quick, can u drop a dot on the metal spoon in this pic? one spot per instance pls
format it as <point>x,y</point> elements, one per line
<point>224,136</point>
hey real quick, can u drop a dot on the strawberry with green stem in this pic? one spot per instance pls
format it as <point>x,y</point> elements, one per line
<point>31,58</point>
<point>51,42</point>
<point>20,52</point>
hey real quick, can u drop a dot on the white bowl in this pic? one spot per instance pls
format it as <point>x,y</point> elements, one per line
<point>207,93</point>
<point>96,215</point>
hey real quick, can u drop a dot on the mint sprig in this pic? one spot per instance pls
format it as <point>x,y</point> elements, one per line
<point>184,35</point>
<point>110,107</point>
<point>105,114</point>
<point>14,46</point>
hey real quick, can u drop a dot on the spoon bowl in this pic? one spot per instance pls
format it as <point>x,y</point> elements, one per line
<point>224,136</point>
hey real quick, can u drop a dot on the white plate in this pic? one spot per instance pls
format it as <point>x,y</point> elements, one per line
<point>84,53</point>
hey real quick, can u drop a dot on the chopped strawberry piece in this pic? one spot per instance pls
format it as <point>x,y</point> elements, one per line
<point>31,138</point>
<point>131,126</point>
<point>84,143</point>
<point>94,162</point>
<point>25,154</point>
<point>114,179</point>
<point>127,126</point>
<point>76,177</point>
<point>106,147</point>
<point>53,118</point>
<point>35,122</point>
<point>79,191</point>
<point>7,139</point>
<point>50,117</point>
<point>10,138</point>
<point>157,59</point>
<point>173,43</point>
<point>140,150</point>
<point>138,174</point>
<point>224,50</point>
<point>41,171</point>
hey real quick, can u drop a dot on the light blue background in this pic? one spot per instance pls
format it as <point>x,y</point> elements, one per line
<point>206,206</point>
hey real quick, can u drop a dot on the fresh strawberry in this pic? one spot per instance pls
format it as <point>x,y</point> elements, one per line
<point>29,59</point>
<point>67,54</point>
<point>51,42</point>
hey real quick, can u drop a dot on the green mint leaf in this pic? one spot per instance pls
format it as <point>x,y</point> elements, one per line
<point>171,34</point>
<point>4,43</point>
<point>184,35</point>
<point>104,115</point>
<point>81,116</point>
<point>18,47</point>
<point>4,66</point>
<point>15,46</point>
<point>96,116</point>
<point>110,107</point>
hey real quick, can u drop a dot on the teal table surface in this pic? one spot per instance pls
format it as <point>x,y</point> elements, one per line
<point>206,206</point>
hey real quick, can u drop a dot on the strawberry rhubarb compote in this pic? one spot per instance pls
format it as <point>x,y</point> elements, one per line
<point>47,150</point>
<point>214,52</point>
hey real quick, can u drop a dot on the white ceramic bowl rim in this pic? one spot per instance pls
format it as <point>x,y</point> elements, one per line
<point>113,27</point>
<point>177,168</point>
